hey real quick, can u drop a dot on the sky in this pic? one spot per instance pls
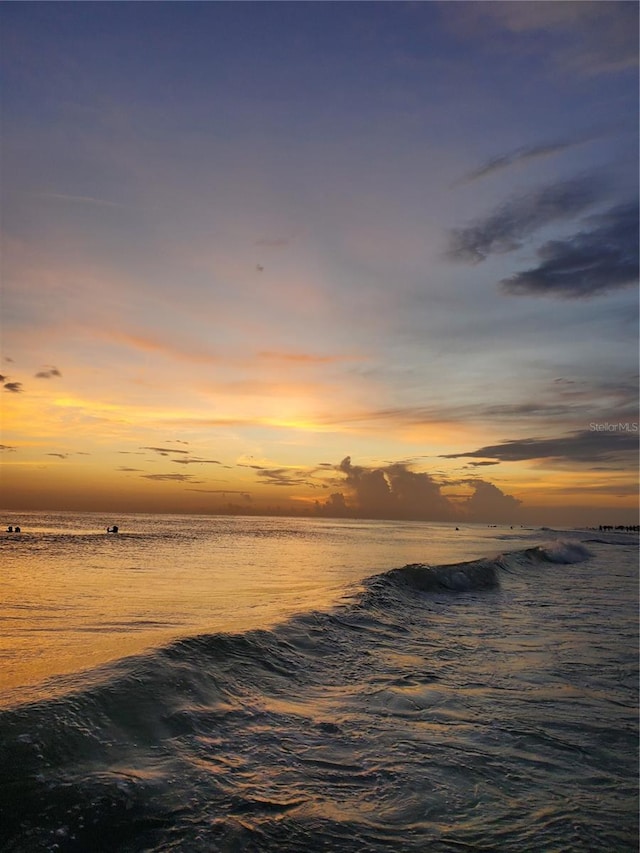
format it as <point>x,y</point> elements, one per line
<point>340,259</point>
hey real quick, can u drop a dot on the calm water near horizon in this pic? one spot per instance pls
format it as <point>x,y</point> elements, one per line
<point>275,684</point>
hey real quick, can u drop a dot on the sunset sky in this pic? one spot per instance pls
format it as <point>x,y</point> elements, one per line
<point>372,259</point>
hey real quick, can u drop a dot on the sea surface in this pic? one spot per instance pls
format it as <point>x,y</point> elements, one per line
<point>275,684</point>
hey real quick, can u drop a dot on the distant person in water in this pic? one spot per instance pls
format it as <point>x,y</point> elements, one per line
<point>16,529</point>
<point>112,529</point>
<point>9,529</point>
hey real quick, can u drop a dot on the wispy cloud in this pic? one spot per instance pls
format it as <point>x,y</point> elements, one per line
<point>506,229</point>
<point>14,387</point>
<point>523,155</point>
<point>588,38</point>
<point>196,461</point>
<point>285,477</point>
<point>176,478</point>
<point>223,492</point>
<point>165,451</point>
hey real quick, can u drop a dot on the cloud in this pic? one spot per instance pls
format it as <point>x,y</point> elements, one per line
<point>14,387</point>
<point>591,262</point>
<point>619,490</point>
<point>178,478</point>
<point>59,455</point>
<point>602,37</point>
<point>129,470</point>
<point>164,451</point>
<point>284,476</point>
<point>588,38</point>
<point>334,507</point>
<point>579,446</point>
<point>523,155</point>
<point>48,373</point>
<point>158,346</point>
<point>505,229</point>
<point>488,503</point>
<point>223,492</point>
<point>9,447</point>
<point>394,491</point>
<point>195,460</point>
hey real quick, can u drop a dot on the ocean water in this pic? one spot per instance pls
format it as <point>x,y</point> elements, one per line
<point>262,684</point>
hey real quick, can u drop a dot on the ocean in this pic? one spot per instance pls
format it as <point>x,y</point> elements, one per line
<point>280,684</point>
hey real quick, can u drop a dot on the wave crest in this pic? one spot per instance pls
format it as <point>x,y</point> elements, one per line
<point>564,552</point>
<point>457,577</point>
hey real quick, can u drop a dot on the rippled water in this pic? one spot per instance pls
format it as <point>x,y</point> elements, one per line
<point>491,706</point>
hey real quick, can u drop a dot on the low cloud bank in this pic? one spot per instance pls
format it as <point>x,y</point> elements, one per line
<point>394,491</point>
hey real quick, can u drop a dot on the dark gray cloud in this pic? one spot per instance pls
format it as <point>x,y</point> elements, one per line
<point>59,455</point>
<point>505,229</point>
<point>610,443</point>
<point>10,447</point>
<point>48,373</point>
<point>129,470</point>
<point>593,261</point>
<point>13,387</point>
